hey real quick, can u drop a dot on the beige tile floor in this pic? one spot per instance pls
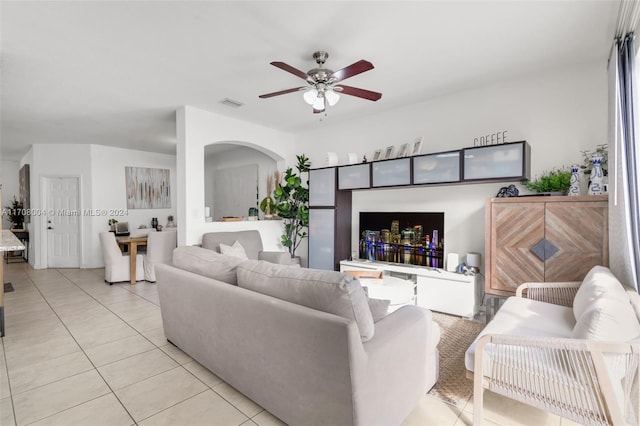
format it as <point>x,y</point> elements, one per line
<point>80,352</point>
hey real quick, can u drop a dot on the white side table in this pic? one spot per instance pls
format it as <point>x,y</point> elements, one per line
<point>400,292</point>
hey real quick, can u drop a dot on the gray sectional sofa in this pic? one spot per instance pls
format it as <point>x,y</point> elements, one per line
<point>301,343</point>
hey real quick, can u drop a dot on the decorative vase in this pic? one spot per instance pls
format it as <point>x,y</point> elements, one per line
<point>267,210</point>
<point>596,178</point>
<point>574,183</point>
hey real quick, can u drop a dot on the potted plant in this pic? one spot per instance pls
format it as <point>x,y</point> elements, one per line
<point>112,224</point>
<point>292,204</point>
<point>15,213</point>
<point>587,159</point>
<point>554,181</point>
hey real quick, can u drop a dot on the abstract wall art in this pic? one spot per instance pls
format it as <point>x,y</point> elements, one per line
<point>147,188</point>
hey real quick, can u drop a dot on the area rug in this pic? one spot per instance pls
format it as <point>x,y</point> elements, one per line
<point>457,334</point>
<point>8,287</point>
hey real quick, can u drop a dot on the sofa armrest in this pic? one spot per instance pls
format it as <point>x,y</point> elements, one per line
<point>401,365</point>
<point>279,257</point>
<point>558,293</point>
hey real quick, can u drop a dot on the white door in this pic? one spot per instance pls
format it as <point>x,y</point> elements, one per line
<point>63,222</point>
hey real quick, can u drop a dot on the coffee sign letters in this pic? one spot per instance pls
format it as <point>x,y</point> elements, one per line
<point>491,139</point>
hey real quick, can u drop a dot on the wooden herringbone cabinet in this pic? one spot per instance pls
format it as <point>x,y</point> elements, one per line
<point>543,239</point>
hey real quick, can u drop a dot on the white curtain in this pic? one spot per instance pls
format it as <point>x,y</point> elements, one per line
<point>624,199</point>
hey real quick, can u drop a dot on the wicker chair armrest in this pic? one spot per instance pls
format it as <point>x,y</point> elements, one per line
<point>561,343</point>
<point>528,369</point>
<point>558,293</point>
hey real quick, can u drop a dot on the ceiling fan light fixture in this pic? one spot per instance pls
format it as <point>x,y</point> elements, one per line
<point>310,96</point>
<point>332,97</point>
<point>319,103</point>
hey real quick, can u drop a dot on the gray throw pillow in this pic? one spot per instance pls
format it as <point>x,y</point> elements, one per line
<point>207,262</point>
<point>328,291</point>
<point>379,308</point>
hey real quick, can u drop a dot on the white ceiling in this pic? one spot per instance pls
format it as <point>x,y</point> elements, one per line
<point>114,72</point>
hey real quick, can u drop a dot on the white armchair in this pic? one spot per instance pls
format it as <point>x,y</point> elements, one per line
<point>160,247</point>
<point>587,369</point>
<point>116,264</point>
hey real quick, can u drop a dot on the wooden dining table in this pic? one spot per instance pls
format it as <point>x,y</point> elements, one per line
<point>132,244</point>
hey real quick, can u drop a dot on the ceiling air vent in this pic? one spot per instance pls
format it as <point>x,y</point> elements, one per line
<point>231,103</point>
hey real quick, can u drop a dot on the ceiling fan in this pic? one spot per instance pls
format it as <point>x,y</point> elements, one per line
<point>322,87</point>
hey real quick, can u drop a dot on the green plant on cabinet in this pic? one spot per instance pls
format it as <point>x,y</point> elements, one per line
<point>556,180</point>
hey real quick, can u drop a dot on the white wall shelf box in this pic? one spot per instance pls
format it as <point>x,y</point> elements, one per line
<point>507,161</point>
<point>354,177</point>
<point>443,167</point>
<point>391,172</point>
<point>329,220</point>
<point>322,193</point>
<point>436,289</point>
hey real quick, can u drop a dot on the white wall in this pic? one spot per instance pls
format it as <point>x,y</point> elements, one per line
<point>100,170</point>
<point>9,171</point>
<point>240,156</point>
<point>196,129</point>
<point>57,160</point>
<point>108,192</point>
<point>559,113</point>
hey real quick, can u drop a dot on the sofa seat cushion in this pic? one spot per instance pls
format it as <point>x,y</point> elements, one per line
<point>207,263</point>
<point>328,291</point>
<point>525,317</point>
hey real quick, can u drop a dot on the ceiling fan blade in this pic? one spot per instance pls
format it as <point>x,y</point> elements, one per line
<point>282,92</point>
<point>353,69</point>
<point>288,68</point>
<point>360,93</point>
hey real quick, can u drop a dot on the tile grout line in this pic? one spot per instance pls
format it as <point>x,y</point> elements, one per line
<point>81,348</point>
<point>139,333</point>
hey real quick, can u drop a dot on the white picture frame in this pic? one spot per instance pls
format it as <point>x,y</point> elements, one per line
<point>388,152</point>
<point>377,155</point>
<point>332,159</point>
<point>403,150</point>
<point>416,149</point>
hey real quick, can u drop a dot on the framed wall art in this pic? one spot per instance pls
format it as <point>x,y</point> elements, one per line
<point>403,150</point>
<point>147,188</point>
<point>416,148</point>
<point>388,152</point>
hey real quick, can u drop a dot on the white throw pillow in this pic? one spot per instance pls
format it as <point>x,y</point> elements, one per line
<point>236,250</point>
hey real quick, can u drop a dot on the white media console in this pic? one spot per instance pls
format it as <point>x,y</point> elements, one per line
<point>436,289</point>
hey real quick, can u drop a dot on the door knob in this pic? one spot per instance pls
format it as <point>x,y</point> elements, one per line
<point>48,227</point>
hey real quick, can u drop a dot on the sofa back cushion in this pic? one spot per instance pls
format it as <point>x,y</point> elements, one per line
<point>598,281</point>
<point>207,263</point>
<point>250,240</point>
<point>603,309</point>
<point>327,291</point>
<point>634,299</point>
